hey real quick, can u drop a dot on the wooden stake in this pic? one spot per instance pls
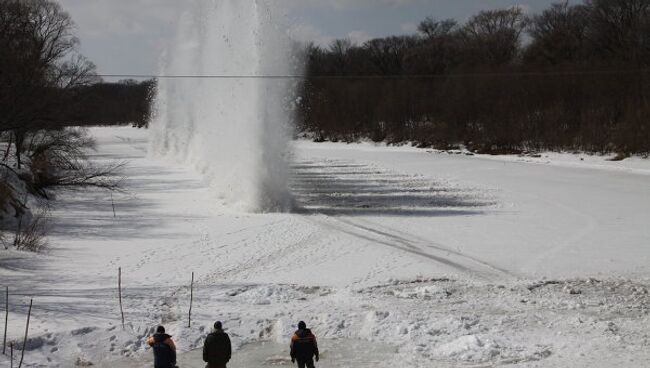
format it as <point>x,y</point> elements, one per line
<point>189,319</point>
<point>20,222</point>
<point>18,230</point>
<point>22,353</point>
<point>119,288</point>
<point>113,205</point>
<point>4,340</point>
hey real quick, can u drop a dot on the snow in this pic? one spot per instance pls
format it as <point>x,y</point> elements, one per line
<point>549,220</point>
<point>468,347</point>
<point>436,259</point>
<point>340,353</point>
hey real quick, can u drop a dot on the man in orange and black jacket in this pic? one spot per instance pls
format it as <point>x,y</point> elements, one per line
<point>304,347</point>
<point>164,349</point>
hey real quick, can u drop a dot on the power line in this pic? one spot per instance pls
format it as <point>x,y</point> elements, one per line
<point>377,76</point>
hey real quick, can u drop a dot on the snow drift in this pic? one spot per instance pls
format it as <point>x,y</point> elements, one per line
<point>233,128</point>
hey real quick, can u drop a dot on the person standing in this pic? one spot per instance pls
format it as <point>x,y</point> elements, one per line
<point>164,349</point>
<point>217,349</point>
<point>304,347</point>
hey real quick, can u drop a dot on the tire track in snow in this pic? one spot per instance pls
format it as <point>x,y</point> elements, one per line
<point>416,241</point>
<point>335,189</point>
<point>450,258</point>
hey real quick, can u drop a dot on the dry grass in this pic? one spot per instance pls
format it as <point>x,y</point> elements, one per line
<point>32,237</point>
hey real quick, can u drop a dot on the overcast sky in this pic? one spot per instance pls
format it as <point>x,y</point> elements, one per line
<point>128,36</point>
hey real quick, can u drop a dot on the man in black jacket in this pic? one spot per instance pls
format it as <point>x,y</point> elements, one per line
<point>304,347</point>
<point>217,348</point>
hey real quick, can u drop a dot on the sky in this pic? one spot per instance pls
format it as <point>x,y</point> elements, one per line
<point>128,36</point>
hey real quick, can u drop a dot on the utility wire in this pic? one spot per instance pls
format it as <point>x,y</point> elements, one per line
<point>375,76</point>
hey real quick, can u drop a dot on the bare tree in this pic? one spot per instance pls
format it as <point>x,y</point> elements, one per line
<point>437,52</point>
<point>39,68</point>
<point>619,29</point>
<point>58,159</point>
<point>559,34</point>
<point>387,54</point>
<point>432,28</point>
<point>493,36</point>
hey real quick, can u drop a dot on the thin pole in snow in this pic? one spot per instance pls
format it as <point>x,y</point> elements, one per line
<point>189,319</point>
<point>20,224</point>
<point>22,353</point>
<point>4,340</point>
<point>18,230</point>
<point>11,355</point>
<point>119,291</point>
<point>113,205</point>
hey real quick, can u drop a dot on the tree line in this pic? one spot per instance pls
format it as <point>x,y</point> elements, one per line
<point>573,77</point>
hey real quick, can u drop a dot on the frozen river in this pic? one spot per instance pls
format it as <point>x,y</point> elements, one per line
<point>340,353</point>
<point>445,259</point>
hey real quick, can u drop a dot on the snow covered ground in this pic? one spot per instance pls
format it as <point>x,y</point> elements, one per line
<point>341,353</point>
<point>445,260</point>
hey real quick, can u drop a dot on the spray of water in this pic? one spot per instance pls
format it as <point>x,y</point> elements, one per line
<point>234,131</point>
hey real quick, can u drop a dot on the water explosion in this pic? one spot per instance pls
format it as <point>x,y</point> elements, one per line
<point>233,129</point>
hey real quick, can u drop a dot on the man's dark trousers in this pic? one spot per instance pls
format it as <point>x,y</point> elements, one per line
<point>306,363</point>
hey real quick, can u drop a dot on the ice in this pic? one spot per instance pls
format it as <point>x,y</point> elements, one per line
<point>469,347</point>
<point>445,259</point>
<point>340,353</point>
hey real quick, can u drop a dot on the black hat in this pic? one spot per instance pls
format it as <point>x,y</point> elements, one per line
<point>160,329</point>
<point>302,325</point>
<point>218,325</point>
